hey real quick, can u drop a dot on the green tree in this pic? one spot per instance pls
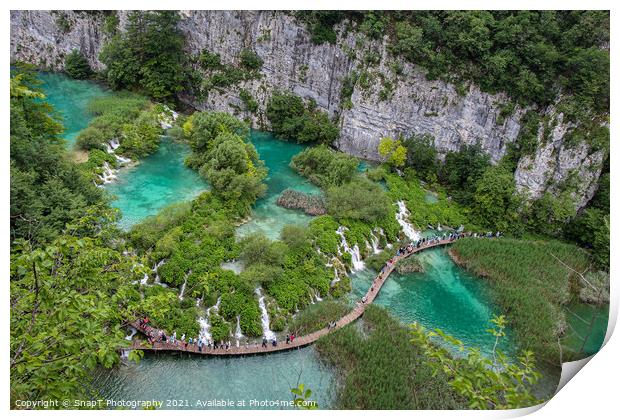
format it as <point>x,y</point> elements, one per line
<point>550,213</point>
<point>359,199</point>
<point>292,118</point>
<point>393,151</point>
<point>496,203</point>
<point>462,170</point>
<point>485,382</point>
<point>325,167</point>
<point>422,156</point>
<point>47,191</point>
<point>76,65</point>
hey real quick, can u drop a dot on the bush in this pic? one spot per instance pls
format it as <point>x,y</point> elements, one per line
<point>91,138</point>
<point>325,167</point>
<point>360,199</point>
<point>250,60</point>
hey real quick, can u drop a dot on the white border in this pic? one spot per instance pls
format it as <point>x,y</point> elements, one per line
<point>592,394</point>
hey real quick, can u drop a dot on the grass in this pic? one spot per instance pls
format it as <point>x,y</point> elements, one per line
<point>528,283</point>
<point>381,369</point>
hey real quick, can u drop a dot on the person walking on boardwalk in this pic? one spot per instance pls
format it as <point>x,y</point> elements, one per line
<point>292,338</point>
<point>265,342</point>
<point>288,339</point>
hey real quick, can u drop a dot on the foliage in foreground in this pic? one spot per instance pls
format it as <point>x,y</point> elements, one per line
<point>317,316</point>
<point>68,303</point>
<point>485,383</point>
<point>47,190</point>
<point>382,370</point>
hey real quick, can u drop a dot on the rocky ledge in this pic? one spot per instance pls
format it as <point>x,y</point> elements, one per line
<point>312,205</point>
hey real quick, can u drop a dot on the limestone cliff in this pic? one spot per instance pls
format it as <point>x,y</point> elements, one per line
<point>391,96</point>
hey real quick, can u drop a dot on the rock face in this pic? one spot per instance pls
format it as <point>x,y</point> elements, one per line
<point>38,37</point>
<point>391,97</point>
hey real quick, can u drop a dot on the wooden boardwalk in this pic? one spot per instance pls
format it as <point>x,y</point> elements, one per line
<point>301,341</point>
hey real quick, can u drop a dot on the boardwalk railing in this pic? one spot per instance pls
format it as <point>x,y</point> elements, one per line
<point>301,341</point>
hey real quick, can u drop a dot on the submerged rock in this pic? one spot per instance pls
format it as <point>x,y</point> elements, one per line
<point>409,265</point>
<point>312,205</point>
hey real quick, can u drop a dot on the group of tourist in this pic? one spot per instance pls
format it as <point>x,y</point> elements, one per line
<point>201,343</point>
<point>404,251</point>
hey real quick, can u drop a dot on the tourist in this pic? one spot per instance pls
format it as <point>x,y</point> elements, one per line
<point>174,338</point>
<point>274,343</point>
<point>288,339</point>
<point>292,337</point>
<point>264,342</point>
<point>200,345</point>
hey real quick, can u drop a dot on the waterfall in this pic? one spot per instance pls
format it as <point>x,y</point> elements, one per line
<point>205,325</point>
<point>336,278</point>
<point>183,287</point>
<point>403,220</point>
<point>238,334</point>
<point>356,258</point>
<point>109,173</point>
<point>318,297</point>
<point>267,333</point>
<point>167,117</point>
<point>157,280</point>
<point>144,279</point>
<point>132,332</point>
<point>374,242</point>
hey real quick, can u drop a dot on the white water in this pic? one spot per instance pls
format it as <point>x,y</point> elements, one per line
<point>374,242</point>
<point>157,279</point>
<point>403,220</point>
<point>238,334</point>
<point>109,173</point>
<point>205,325</point>
<point>167,117</point>
<point>133,332</point>
<point>183,287</point>
<point>267,333</point>
<point>356,258</point>
<point>336,278</point>
<point>234,266</point>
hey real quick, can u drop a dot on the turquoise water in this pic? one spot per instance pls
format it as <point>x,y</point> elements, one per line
<point>267,216</point>
<point>191,378</point>
<point>157,181</point>
<point>586,324</point>
<point>70,98</point>
<point>444,297</point>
